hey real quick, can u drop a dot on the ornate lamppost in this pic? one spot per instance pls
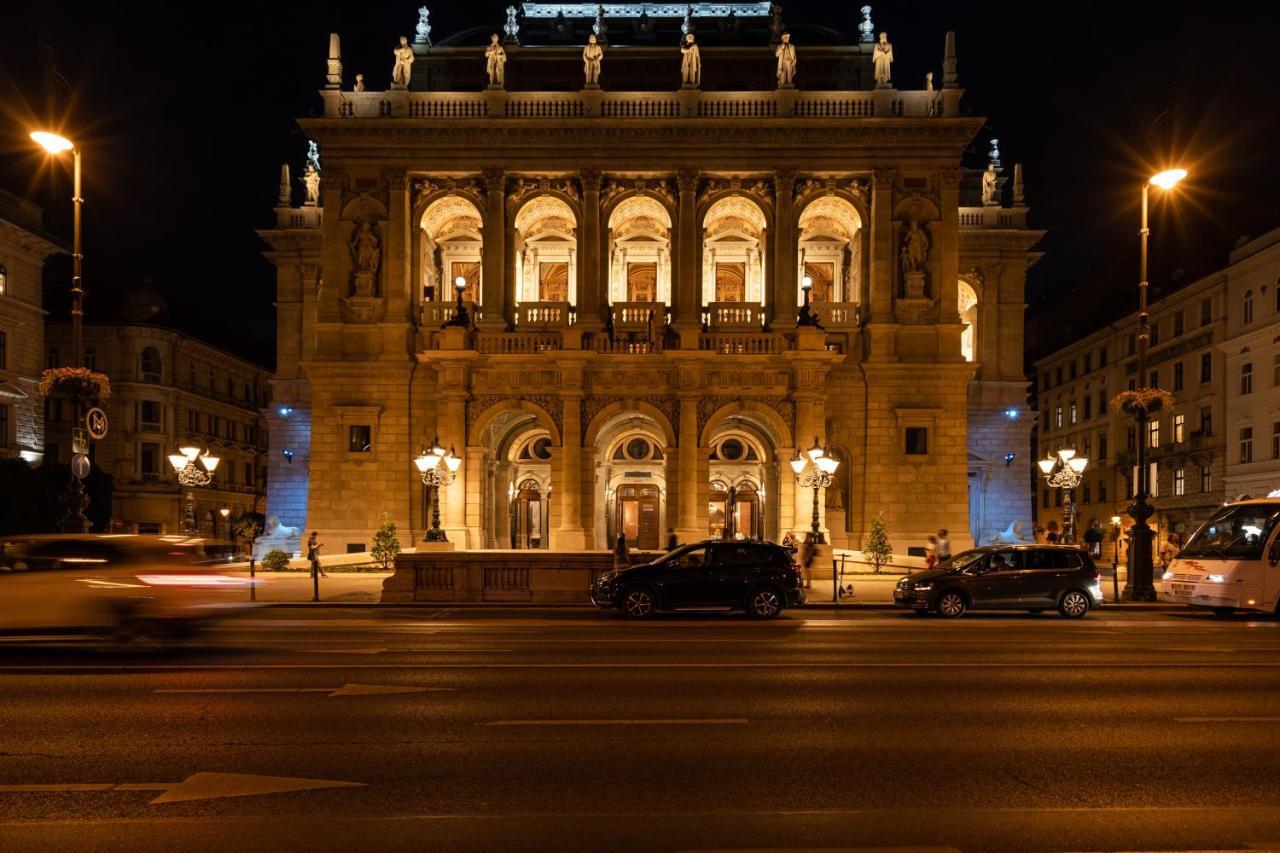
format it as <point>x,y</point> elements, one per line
<point>191,475</point>
<point>1141,583</point>
<point>808,317</point>
<point>1065,470</point>
<point>437,467</point>
<point>815,469</point>
<point>460,317</point>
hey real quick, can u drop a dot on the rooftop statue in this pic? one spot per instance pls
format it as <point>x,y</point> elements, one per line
<point>690,63</point>
<point>592,55</point>
<point>883,57</point>
<point>511,28</point>
<point>599,27</point>
<point>990,189</point>
<point>786,53</point>
<point>313,152</point>
<point>686,26</point>
<point>422,33</point>
<point>866,29</point>
<point>404,61</point>
<point>928,81</point>
<point>359,87</point>
<point>311,182</point>
<point>495,63</point>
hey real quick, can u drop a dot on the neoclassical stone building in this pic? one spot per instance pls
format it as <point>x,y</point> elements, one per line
<point>632,262</point>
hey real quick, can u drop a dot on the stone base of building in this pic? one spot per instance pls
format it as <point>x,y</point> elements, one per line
<point>547,577</point>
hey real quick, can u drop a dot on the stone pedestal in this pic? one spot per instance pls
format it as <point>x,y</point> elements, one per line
<point>364,283</point>
<point>915,285</point>
<point>785,98</point>
<point>434,546</point>
<point>882,98</point>
<point>592,97</point>
<point>688,98</point>
<point>495,100</point>
<point>362,309</point>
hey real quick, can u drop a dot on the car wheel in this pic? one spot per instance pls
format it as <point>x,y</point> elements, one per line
<point>1074,604</point>
<point>764,603</point>
<point>1223,612</point>
<point>638,603</point>
<point>952,605</point>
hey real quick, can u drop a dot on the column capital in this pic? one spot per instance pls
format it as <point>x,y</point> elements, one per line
<point>687,180</point>
<point>784,181</point>
<point>397,179</point>
<point>883,178</point>
<point>495,180</point>
<point>590,179</point>
<point>950,178</point>
<point>331,178</point>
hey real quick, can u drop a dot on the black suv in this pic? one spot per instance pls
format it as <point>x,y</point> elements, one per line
<point>758,577</point>
<point>1005,577</point>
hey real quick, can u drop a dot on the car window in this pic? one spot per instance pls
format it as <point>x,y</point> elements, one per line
<point>691,559</point>
<point>1003,561</point>
<point>1066,560</point>
<point>742,553</point>
<point>1038,559</point>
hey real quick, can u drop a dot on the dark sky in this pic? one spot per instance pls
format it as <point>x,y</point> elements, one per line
<point>185,112</point>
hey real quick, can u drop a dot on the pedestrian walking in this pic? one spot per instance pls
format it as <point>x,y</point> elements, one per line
<point>944,545</point>
<point>789,541</point>
<point>1169,550</point>
<point>621,559</point>
<point>807,549</point>
<point>672,542</point>
<point>313,553</point>
<point>1052,536</point>
<point>930,551</point>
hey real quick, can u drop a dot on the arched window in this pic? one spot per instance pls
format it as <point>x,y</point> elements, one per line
<point>830,250</point>
<point>546,251</point>
<point>151,365</point>
<point>640,257</point>
<point>451,247</point>
<point>968,310</point>
<point>1246,308</point>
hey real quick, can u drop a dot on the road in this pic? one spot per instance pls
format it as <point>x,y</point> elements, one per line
<point>575,730</point>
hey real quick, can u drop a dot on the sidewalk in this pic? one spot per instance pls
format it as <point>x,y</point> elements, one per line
<point>338,587</point>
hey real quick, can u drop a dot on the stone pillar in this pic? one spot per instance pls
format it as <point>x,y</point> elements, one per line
<point>493,298</point>
<point>686,296</point>
<point>452,422</point>
<point>687,529</point>
<point>591,288</point>
<point>782,301</point>
<point>395,245</point>
<point>568,535</point>
<point>947,242</point>
<point>881,329</point>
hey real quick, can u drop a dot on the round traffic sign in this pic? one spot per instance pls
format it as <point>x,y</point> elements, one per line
<point>80,465</point>
<point>95,421</point>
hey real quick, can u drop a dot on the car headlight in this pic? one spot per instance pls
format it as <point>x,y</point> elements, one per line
<point>1215,578</point>
<point>924,587</point>
<point>1167,576</point>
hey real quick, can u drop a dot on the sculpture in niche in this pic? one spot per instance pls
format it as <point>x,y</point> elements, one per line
<point>835,496</point>
<point>786,53</point>
<point>422,33</point>
<point>311,181</point>
<point>690,63</point>
<point>883,58</point>
<point>866,29</point>
<point>990,191</point>
<point>915,257</point>
<point>511,29</point>
<point>495,63</point>
<point>592,55</point>
<point>404,61</point>
<point>359,87</point>
<point>365,255</point>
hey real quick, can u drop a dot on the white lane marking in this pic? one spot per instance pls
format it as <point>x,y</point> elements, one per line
<point>344,690</point>
<point>656,722</point>
<point>198,786</point>
<point>1025,664</point>
<point>1227,719</point>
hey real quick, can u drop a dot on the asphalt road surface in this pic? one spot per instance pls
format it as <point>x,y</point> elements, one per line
<point>482,729</point>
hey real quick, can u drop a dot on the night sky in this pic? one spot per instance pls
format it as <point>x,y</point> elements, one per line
<point>185,112</point>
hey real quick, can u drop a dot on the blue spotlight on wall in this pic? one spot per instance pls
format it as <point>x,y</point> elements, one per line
<point>288,456</point>
<point>1012,414</point>
<point>285,411</point>
<point>1008,459</point>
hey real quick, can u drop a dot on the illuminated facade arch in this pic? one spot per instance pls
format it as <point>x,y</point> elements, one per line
<point>546,246</point>
<point>733,252</point>
<point>830,251</point>
<point>639,251</point>
<point>452,245</point>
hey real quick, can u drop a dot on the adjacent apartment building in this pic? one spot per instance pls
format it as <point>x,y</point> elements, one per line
<point>1251,351</point>
<point>167,389</point>
<point>24,246</point>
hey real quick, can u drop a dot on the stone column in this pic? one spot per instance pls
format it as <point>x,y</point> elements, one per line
<point>881,328</point>
<point>591,289</point>
<point>452,420</point>
<point>782,307</point>
<point>395,245</point>
<point>493,300</point>
<point>687,528</point>
<point>686,295</point>
<point>568,534</point>
<point>947,267</point>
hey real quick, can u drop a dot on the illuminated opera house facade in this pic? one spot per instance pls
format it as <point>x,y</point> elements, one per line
<point>634,261</point>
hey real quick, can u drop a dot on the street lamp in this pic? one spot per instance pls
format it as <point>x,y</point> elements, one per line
<point>814,469</point>
<point>1115,558</point>
<point>1140,585</point>
<point>1065,470</point>
<point>191,475</point>
<point>437,467</point>
<point>225,512</point>
<point>808,317</point>
<point>460,316</point>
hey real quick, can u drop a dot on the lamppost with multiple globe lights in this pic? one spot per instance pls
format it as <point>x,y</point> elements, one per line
<point>1065,470</point>
<point>815,469</point>
<point>437,467</point>
<point>1141,583</point>
<point>191,475</point>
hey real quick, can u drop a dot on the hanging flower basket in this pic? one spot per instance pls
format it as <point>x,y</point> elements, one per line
<point>1142,402</point>
<point>80,381</point>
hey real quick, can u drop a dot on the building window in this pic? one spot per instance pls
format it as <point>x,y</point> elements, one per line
<point>149,461</point>
<point>1155,332</point>
<point>1246,445</point>
<point>1153,479</point>
<point>150,364</point>
<point>193,424</point>
<point>1206,312</point>
<point>1057,497</point>
<point>1087,452</point>
<point>1206,479</point>
<point>1057,417</point>
<point>1102,357</point>
<point>1206,367</point>
<point>1045,499</point>
<point>1179,481</point>
<point>1102,402</point>
<point>1073,412</point>
<point>149,416</point>
<point>1088,362</point>
<point>1246,308</point>
<point>360,438</point>
<point>53,358</point>
<point>1044,381</point>
<point>1275,440</point>
<point>1179,428</point>
<point>1177,324</point>
<point>1102,492</point>
<point>1133,385</point>
<point>1206,420</point>
<point>1130,443</point>
<point>248,473</point>
<point>1088,407</point>
<point>1058,374</point>
<point>1133,343</point>
<point>1153,379</point>
<point>1102,446</point>
<point>1177,376</point>
<point>917,441</point>
<point>1088,493</point>
<point>4,424</point>
<point>91,358</point>
<point>4,280</point>
<point>4,350</point>
<point>1072,369</point>
<point>1153,432</point>
<point>1246,378</point>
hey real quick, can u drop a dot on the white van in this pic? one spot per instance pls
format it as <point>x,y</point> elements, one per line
<point>1232,562</point>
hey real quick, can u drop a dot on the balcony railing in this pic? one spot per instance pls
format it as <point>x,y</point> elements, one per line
<point>625,345</point>
<point>638,316</point>
<point>759,343</point>
<point>735,316</point>
<point>436,314</point>
<point>836,316</point>
<point>515,343</point>
<point>543,315</point>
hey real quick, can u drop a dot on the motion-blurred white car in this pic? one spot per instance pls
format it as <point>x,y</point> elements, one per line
<point>132,588</point>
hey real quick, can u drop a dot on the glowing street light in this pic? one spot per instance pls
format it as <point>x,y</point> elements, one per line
<point>1065,470</point>
<point>460,316</point>
<point>191,475</point>
<point>434,474</point>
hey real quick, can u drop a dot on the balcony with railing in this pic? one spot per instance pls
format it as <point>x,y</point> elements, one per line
<point>532,316</point>
<point>645,317</point>
<point>837,316</point>
<point>734,316</point>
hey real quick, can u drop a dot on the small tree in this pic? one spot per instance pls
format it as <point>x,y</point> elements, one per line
<point>385,543</point>
<point>248,525</point>
<point>878,549</point>
<point>275,560</point>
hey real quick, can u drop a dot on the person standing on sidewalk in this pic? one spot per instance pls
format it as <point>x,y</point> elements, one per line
<point>672,541</point>
<point>930,551</point>
<point>944,545</point>
<point>313,553</point>
<point>807,553</point>
<point>621,558</point>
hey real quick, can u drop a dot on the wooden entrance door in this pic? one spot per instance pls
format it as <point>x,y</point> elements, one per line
<point>637,516</point>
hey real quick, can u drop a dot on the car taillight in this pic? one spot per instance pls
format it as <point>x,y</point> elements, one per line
<point>194,580</point>
<point>1097,575</point>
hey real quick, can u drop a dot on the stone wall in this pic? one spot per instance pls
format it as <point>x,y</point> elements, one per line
<point>496,575</point>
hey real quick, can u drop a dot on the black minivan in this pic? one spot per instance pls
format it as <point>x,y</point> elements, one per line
<point>759,578</point>
<point>1005,577</point>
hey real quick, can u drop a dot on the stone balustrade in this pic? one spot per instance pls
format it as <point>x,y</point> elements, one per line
<point>758,343</point>
<point>517,343</point>
<point>879,103</point>
<point>543,315</point>
<point>735,316</point>
<point>436,314</point>
<point>837,316</point>
<point>638,316</point>
<point>605,345</point>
